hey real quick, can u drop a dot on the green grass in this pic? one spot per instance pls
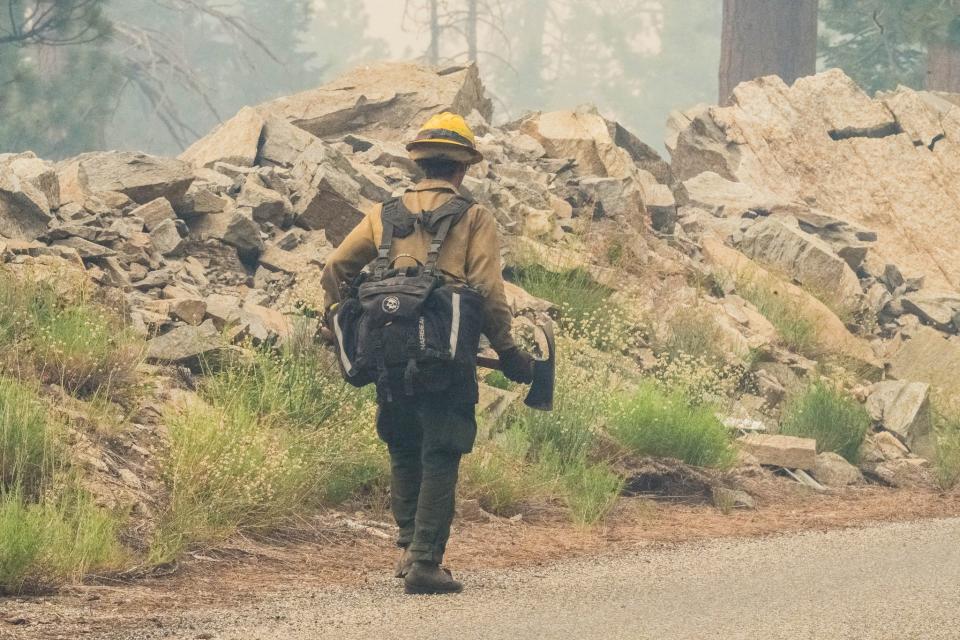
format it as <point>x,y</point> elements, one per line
<point>664,424</point>
<point>835,419</point>
<point>53,541</point>
<point>498,475</point>
<point>797,330</point>
<point>69,341</point>
<point>947,463</point>
<point>30,452</point>
<point>281,434</point>
<point>583,304</point>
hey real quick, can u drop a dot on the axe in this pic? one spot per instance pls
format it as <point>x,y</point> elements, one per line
<point>540,396</point>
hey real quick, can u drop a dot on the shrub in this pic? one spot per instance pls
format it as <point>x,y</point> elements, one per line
<point>836,420</point>
<point>29,451</point>
<point>665,424</point>
<point>797,330</point>
<point>56,540</point>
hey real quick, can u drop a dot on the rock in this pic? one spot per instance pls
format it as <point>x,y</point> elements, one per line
<point>904,409</point>
<point>781,451</point>
<point>889,446</point>
<point>232,228</point>
<point>236,142</point>
<point>200,200</point>
<point>929,357</point>
<point>277,259</point>
<point>41,174</point>
<point>266,205</point>
<point>166,238</point>
<point>832,470</point>
<point>85,248</point>
<point>727,198</point>
<point>779,242</point>
<point>329,201</point>
<point>139,176</point>
<point>934,308</point>
<point>185,345</point>
<point>224,310</point>
<point>832,335</point>
<point>727,499</point>
<point>521,302</point>
<point>584,136</point>
<point>824,141</point>
<point>24,211</point>
<point>190,310</point>
<point>265,324</point>
<point>383,101</point>
<point>902,473</point>
<point>283,143</point>
<point>615,198</point>
<point>154,280</point>
<point>154,212</point>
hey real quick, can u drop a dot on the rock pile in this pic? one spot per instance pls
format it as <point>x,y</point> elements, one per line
<point>234,233</point>
<point>843,203</point>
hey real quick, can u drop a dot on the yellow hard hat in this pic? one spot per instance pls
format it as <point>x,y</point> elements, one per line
<point>445,135</point>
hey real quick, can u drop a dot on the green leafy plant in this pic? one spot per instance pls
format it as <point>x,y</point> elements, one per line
<point>947,463</point>
<point>835,419</point>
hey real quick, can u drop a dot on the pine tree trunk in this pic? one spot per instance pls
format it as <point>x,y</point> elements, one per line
<point>943,67</point>
<point>767,37</point>
<point>472,29</point>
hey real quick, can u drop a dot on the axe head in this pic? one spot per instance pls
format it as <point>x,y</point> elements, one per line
<point>540,396</point>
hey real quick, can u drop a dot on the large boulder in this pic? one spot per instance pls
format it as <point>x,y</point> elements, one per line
<point>24,212</point>
<point>781,451</point>
<point>866,161</point>
<point>778,241</point>
<point>904,408</point>
<point>187,344</point>
<point>40,173</point>
<point>928,356</point>
<point>232,228</point>
<point>832,334</point>
<point>384,101</point>
<point>235,142</point>
<point>139,176</point>
<point>833,470</point>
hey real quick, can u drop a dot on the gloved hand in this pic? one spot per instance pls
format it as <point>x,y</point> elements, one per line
<point>517,365</point>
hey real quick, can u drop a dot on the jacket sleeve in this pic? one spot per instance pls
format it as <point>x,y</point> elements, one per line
<point>347,260</point>
<point>484,273</point>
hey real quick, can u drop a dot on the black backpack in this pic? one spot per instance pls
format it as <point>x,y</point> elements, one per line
<point>408,328</point>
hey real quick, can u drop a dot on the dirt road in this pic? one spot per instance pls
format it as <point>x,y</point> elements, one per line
<point>898,581</point>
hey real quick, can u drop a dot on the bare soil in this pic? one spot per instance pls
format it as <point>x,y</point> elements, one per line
<point>249,570</point>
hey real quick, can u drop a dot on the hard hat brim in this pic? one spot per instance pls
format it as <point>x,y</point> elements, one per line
<point>438,148</point>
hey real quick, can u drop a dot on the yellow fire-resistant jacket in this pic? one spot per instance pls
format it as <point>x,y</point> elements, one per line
<point>470,254</point>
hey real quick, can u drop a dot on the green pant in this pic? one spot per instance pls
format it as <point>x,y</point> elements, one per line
<point>426,436</point>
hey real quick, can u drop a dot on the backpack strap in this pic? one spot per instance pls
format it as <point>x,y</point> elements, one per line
<point>442,219</point>
<point>387,216</point>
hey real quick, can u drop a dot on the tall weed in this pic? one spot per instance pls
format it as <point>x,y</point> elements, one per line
<point>797,330</point>
<point>30,451</point>
<point>836,420</point>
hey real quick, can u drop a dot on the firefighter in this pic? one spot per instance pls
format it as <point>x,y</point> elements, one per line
<point>429,431</point>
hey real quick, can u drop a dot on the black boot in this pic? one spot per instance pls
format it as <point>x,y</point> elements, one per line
<point>403,564</point>
<point>429,578</point>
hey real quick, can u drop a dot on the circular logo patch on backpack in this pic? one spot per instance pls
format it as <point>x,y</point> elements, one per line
<point>390,304</point>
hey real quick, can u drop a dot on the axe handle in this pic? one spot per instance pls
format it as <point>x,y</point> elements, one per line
<point>488,363</point>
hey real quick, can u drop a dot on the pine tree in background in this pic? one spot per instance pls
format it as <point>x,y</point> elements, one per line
<point>885,43</point>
